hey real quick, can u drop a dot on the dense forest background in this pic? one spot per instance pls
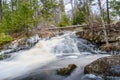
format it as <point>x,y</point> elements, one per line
<point>23,15</point>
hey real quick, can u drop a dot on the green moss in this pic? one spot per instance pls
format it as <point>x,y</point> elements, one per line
<point>5,39</point>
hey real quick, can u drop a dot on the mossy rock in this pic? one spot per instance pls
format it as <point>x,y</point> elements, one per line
<point>4,56</point>
<point>67,70</point>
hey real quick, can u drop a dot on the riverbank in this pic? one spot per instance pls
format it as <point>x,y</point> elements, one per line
<point>96,35</point>
<point>93,34</point>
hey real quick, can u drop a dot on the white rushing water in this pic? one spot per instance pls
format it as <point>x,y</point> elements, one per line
<point>42,53</point>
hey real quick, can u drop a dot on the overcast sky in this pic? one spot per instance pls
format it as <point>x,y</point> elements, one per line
<point>95,8</point>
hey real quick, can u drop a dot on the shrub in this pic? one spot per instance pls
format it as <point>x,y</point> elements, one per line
<point>5,39</point>
<point>79,18</point>
<point>64,21</point>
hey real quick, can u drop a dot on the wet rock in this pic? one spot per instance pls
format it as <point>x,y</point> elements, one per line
<point>91,77</point>
<point>67,70</point>
<point>112,46</point>
<point>115,70</point>
<point>111,78</point>
<point>106,66</point>
<point>4,56</point>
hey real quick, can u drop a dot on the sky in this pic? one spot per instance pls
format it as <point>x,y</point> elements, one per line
<point>95,8</point>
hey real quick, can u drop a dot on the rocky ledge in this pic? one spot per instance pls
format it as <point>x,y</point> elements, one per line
<point>106,66</point>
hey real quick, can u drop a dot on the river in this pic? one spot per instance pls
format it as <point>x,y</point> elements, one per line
<point>49,54</point>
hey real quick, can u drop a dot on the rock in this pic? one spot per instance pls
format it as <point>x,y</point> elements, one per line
<point>67,70</point>
<point>112,46</point>
<point>46,34</point>
<point>96,35</point>
<point>91,77</point>
<point>115,70</point>
<point>4,56</point>
<point>20,44</point>
<point>106,66</point>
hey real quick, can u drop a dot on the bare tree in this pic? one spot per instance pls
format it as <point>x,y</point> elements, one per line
<point>87,12</point>
<point>102,20</point>
<point>72,5</point>
<point>108,16</point>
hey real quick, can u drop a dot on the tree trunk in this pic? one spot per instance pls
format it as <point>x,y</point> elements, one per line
<point>87,13</point>
<point>108,16</point>
<point>72,6</point>
<point>0,11</point>
<point>102,20</point>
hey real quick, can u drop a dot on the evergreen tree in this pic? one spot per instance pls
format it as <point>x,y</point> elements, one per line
<point>79,17</point>
<point>115,6</point>
<point>19,17</point>
<point>64,21</point>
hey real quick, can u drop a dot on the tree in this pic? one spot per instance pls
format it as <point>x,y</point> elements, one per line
<point>102,20</point>
<point>79,17</point>
<point>64,21</point>
<point>85,5</point>
<point>72,6</point>
<point>19,16</point>
<point>47,11</point>
<point>108,16</point>
<point>115,6</point>
<point>60,10</point>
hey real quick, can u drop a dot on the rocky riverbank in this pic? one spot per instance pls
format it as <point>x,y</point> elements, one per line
<point>96,35</point>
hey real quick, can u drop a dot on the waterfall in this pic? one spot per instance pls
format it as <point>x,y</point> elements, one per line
<point>45,51</point>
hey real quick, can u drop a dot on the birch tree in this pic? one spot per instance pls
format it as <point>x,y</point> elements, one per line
<point>102,20</point>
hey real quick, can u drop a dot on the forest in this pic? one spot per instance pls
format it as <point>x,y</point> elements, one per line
<point>18,15</point>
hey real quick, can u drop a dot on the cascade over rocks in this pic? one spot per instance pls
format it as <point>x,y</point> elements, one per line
<point>106,66</point>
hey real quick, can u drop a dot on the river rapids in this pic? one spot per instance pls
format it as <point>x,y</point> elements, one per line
<point>41,61</point>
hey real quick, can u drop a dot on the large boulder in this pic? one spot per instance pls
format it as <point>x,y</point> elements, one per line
<point>67,70</point>
<point>106,66</point>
